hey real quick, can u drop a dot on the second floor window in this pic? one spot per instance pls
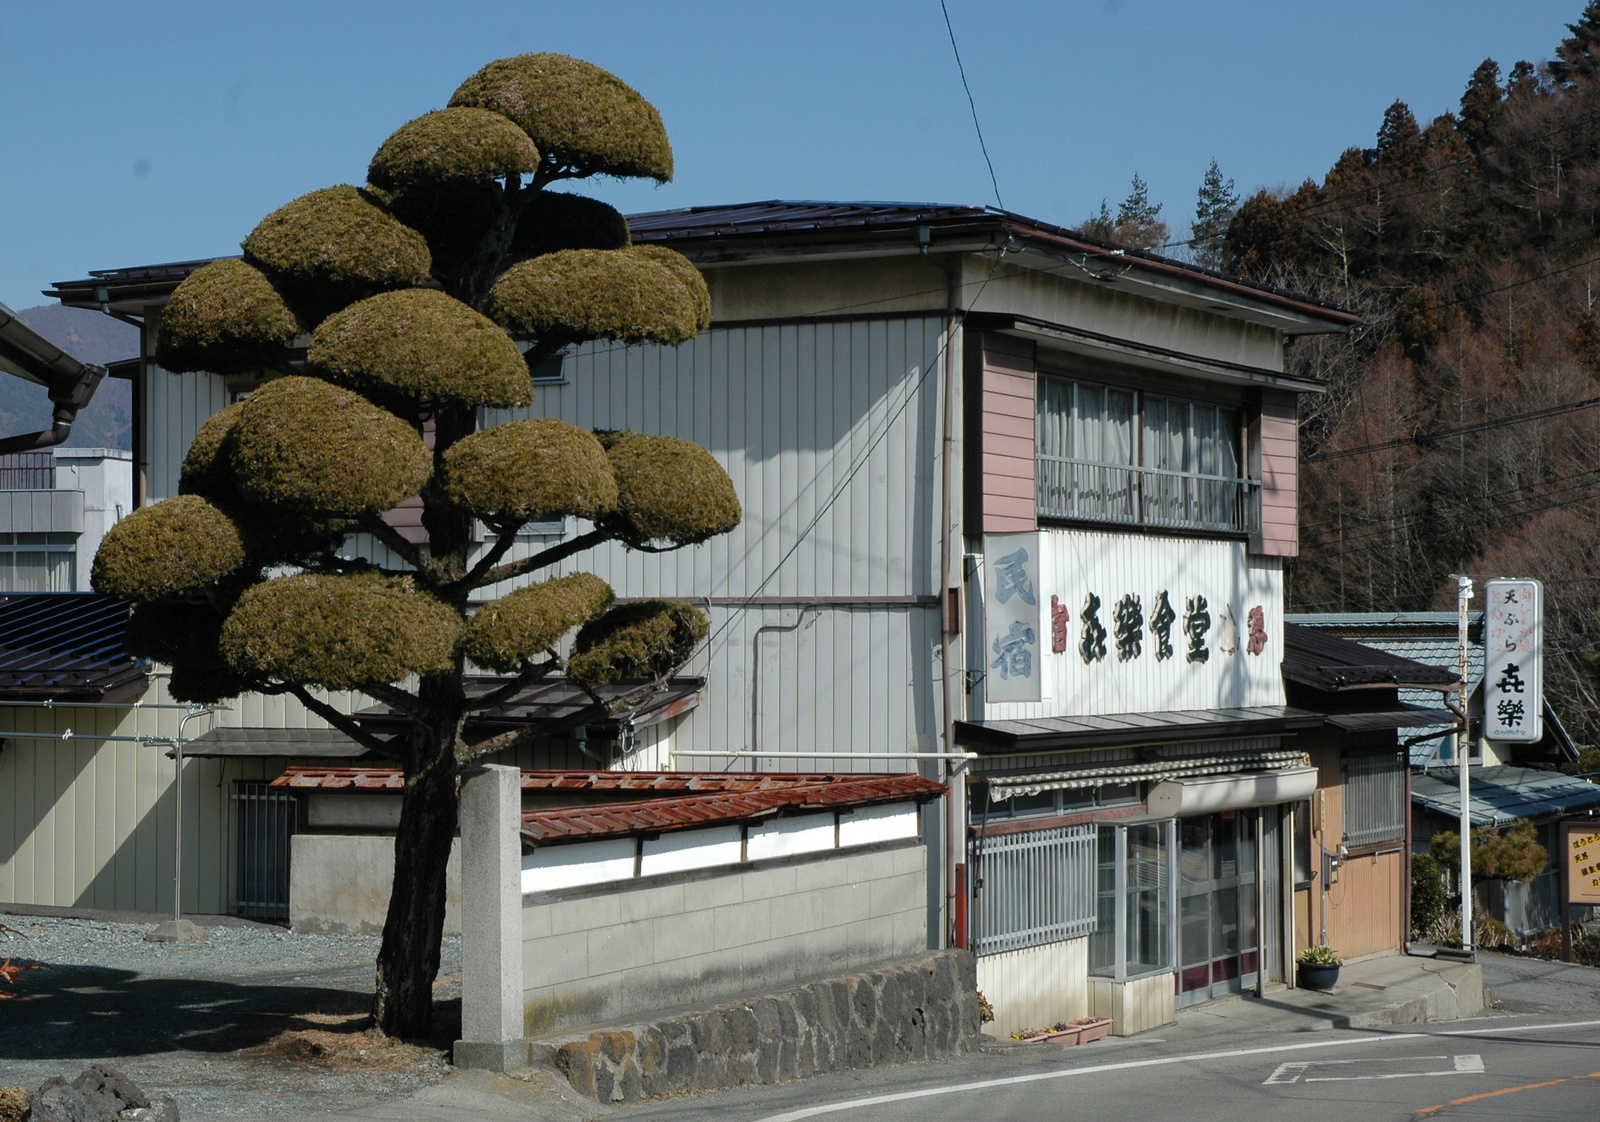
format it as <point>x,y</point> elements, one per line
<point>1116,455</point>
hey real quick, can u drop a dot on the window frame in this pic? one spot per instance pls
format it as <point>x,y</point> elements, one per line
<point>1364,797</point>
<point>1145,493</point>
<point>56,547</point>
<point>1121,931</point>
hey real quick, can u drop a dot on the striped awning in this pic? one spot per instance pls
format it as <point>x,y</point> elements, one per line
<point>1149,771</point>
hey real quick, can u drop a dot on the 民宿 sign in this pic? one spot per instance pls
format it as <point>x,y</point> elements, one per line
<point>1011,617</point>
<point>1513,661</point>
<point>1581,844</point>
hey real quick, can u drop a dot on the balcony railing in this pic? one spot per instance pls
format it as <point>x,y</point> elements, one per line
<point>28,471</point>
<point>1145,496</point>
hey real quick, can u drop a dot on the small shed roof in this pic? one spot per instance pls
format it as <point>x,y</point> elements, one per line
<point>302,744</point>
<point>65,646</point>
<point>1501,795</point>
<point>1324,661</point>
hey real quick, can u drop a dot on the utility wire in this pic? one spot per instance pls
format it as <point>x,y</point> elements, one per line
<point>984,148</point>
<point>1464,430</point>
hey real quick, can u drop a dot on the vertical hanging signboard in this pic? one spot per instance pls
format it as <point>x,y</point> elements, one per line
<point>1513,661</point>
<point>1582,843</point>
<point>1011,617</point>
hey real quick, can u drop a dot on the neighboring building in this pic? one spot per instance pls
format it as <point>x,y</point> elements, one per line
<point>55,506</point>
<point>936,416</point>
<point>1504,788</point>
<point>1351,865</point>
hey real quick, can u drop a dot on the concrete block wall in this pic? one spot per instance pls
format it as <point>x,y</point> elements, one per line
<point>623,950</point>
<point>339,884</point>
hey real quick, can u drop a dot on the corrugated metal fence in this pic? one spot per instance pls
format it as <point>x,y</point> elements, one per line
<point>1035,887</point>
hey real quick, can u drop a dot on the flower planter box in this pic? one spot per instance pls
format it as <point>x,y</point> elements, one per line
<point>1083,1032</point>
<point>1316,977</point>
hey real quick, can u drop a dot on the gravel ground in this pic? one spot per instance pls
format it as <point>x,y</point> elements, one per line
<point>254,1022</point>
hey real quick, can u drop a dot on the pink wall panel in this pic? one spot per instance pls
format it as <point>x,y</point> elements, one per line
<point>1276,437</point>
<point>1007,426</point>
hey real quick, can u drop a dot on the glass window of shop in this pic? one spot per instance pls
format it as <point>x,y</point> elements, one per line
<point>1134,880</point>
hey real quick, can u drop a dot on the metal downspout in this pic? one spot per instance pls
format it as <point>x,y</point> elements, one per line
<point>954,933</point>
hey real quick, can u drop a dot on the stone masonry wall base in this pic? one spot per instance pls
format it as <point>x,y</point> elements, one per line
<point>926,1009</point>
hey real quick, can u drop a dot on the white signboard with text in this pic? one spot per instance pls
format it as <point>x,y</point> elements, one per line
<point>1513,661</point>
<point>1011,617</point>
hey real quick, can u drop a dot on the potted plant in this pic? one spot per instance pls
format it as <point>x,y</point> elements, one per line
<point>1319,967</point>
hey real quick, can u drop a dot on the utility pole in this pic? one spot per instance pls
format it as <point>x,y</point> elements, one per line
<point>1463,732</point>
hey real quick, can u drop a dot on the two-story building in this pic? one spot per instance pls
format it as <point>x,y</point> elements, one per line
<point>1017,504</point>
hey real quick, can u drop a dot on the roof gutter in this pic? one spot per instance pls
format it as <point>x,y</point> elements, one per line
<point>26,354</point>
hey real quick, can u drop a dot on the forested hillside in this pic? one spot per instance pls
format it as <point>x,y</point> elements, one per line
<point>1461,430</point>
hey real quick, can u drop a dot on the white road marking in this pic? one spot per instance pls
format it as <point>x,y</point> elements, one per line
<point>984,1084</point>
<point>1295,1070</point>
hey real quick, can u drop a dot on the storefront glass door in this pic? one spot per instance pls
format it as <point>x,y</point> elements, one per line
<point>1218,944</point>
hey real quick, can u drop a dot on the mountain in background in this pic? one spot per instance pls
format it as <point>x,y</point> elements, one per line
<point>89,337</point>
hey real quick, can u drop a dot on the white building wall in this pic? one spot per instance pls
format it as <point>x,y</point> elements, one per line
<point>105,477</point>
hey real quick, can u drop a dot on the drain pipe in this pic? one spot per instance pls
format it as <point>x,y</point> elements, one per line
<point>71,384</point>
<point>955,867</point>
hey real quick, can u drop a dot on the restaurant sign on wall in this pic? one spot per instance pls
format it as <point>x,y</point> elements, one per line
<point>1169,625</point>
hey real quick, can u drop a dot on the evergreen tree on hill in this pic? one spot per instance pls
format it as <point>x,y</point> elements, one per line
<point>1578,55</point>
<point>427,296</point>
<point>1214,208</point>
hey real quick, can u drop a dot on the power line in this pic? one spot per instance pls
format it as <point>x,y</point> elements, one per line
<point>984,148</point>
<point>1464,430</point>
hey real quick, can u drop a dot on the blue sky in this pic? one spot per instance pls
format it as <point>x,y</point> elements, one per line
<point>133,134</point>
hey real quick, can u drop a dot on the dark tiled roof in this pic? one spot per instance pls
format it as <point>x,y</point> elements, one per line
<point>786,224</point>
<point>65,646</point>
<point>1324,661</point>
<point>1107,731</point>
<point>554,702</point>
<point>1501,795</point>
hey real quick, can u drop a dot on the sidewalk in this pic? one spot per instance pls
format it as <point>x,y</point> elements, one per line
<point>1389,990</point>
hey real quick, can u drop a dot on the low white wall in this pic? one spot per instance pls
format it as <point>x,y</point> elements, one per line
<point>339,884</point>
<point>1036,986</point>
<point>618,951</point>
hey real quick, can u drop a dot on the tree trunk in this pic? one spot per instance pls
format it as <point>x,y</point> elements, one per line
<point>408,960</point>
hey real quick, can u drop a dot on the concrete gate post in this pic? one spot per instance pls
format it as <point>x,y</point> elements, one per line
<point>491,920</point>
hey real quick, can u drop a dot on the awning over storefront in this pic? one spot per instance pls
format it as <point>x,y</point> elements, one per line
<point>1115,730</point>
<point>1155,765</point>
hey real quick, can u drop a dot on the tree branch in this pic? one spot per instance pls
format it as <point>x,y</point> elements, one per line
<point>373,523</point>
<point>505,538</point>
<point>395,698</point>
<point>506,691</point>
<point>543,557</point>
<point>341,721</point>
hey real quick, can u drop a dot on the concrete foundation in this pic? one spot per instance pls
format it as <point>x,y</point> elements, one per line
<point>339,884</point>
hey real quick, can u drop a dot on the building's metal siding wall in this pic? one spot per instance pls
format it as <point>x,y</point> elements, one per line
<point>89,823</point>
<point>1108,563</point>
<point>176,405</point>
<point>791,412</point>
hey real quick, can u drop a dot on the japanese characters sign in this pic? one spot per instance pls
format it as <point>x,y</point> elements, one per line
<point>1513,686</point>
<point>1011,603</point>
<point>1581,843</point>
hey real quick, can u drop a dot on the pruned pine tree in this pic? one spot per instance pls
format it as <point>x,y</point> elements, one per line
<point>428,295</point>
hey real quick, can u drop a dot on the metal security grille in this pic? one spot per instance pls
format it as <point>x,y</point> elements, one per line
<point>264,819</point>
<point>1374,799</point>
<point>1036,887</point>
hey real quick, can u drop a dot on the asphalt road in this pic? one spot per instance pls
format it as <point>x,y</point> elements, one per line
<point>1501,1067</point>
